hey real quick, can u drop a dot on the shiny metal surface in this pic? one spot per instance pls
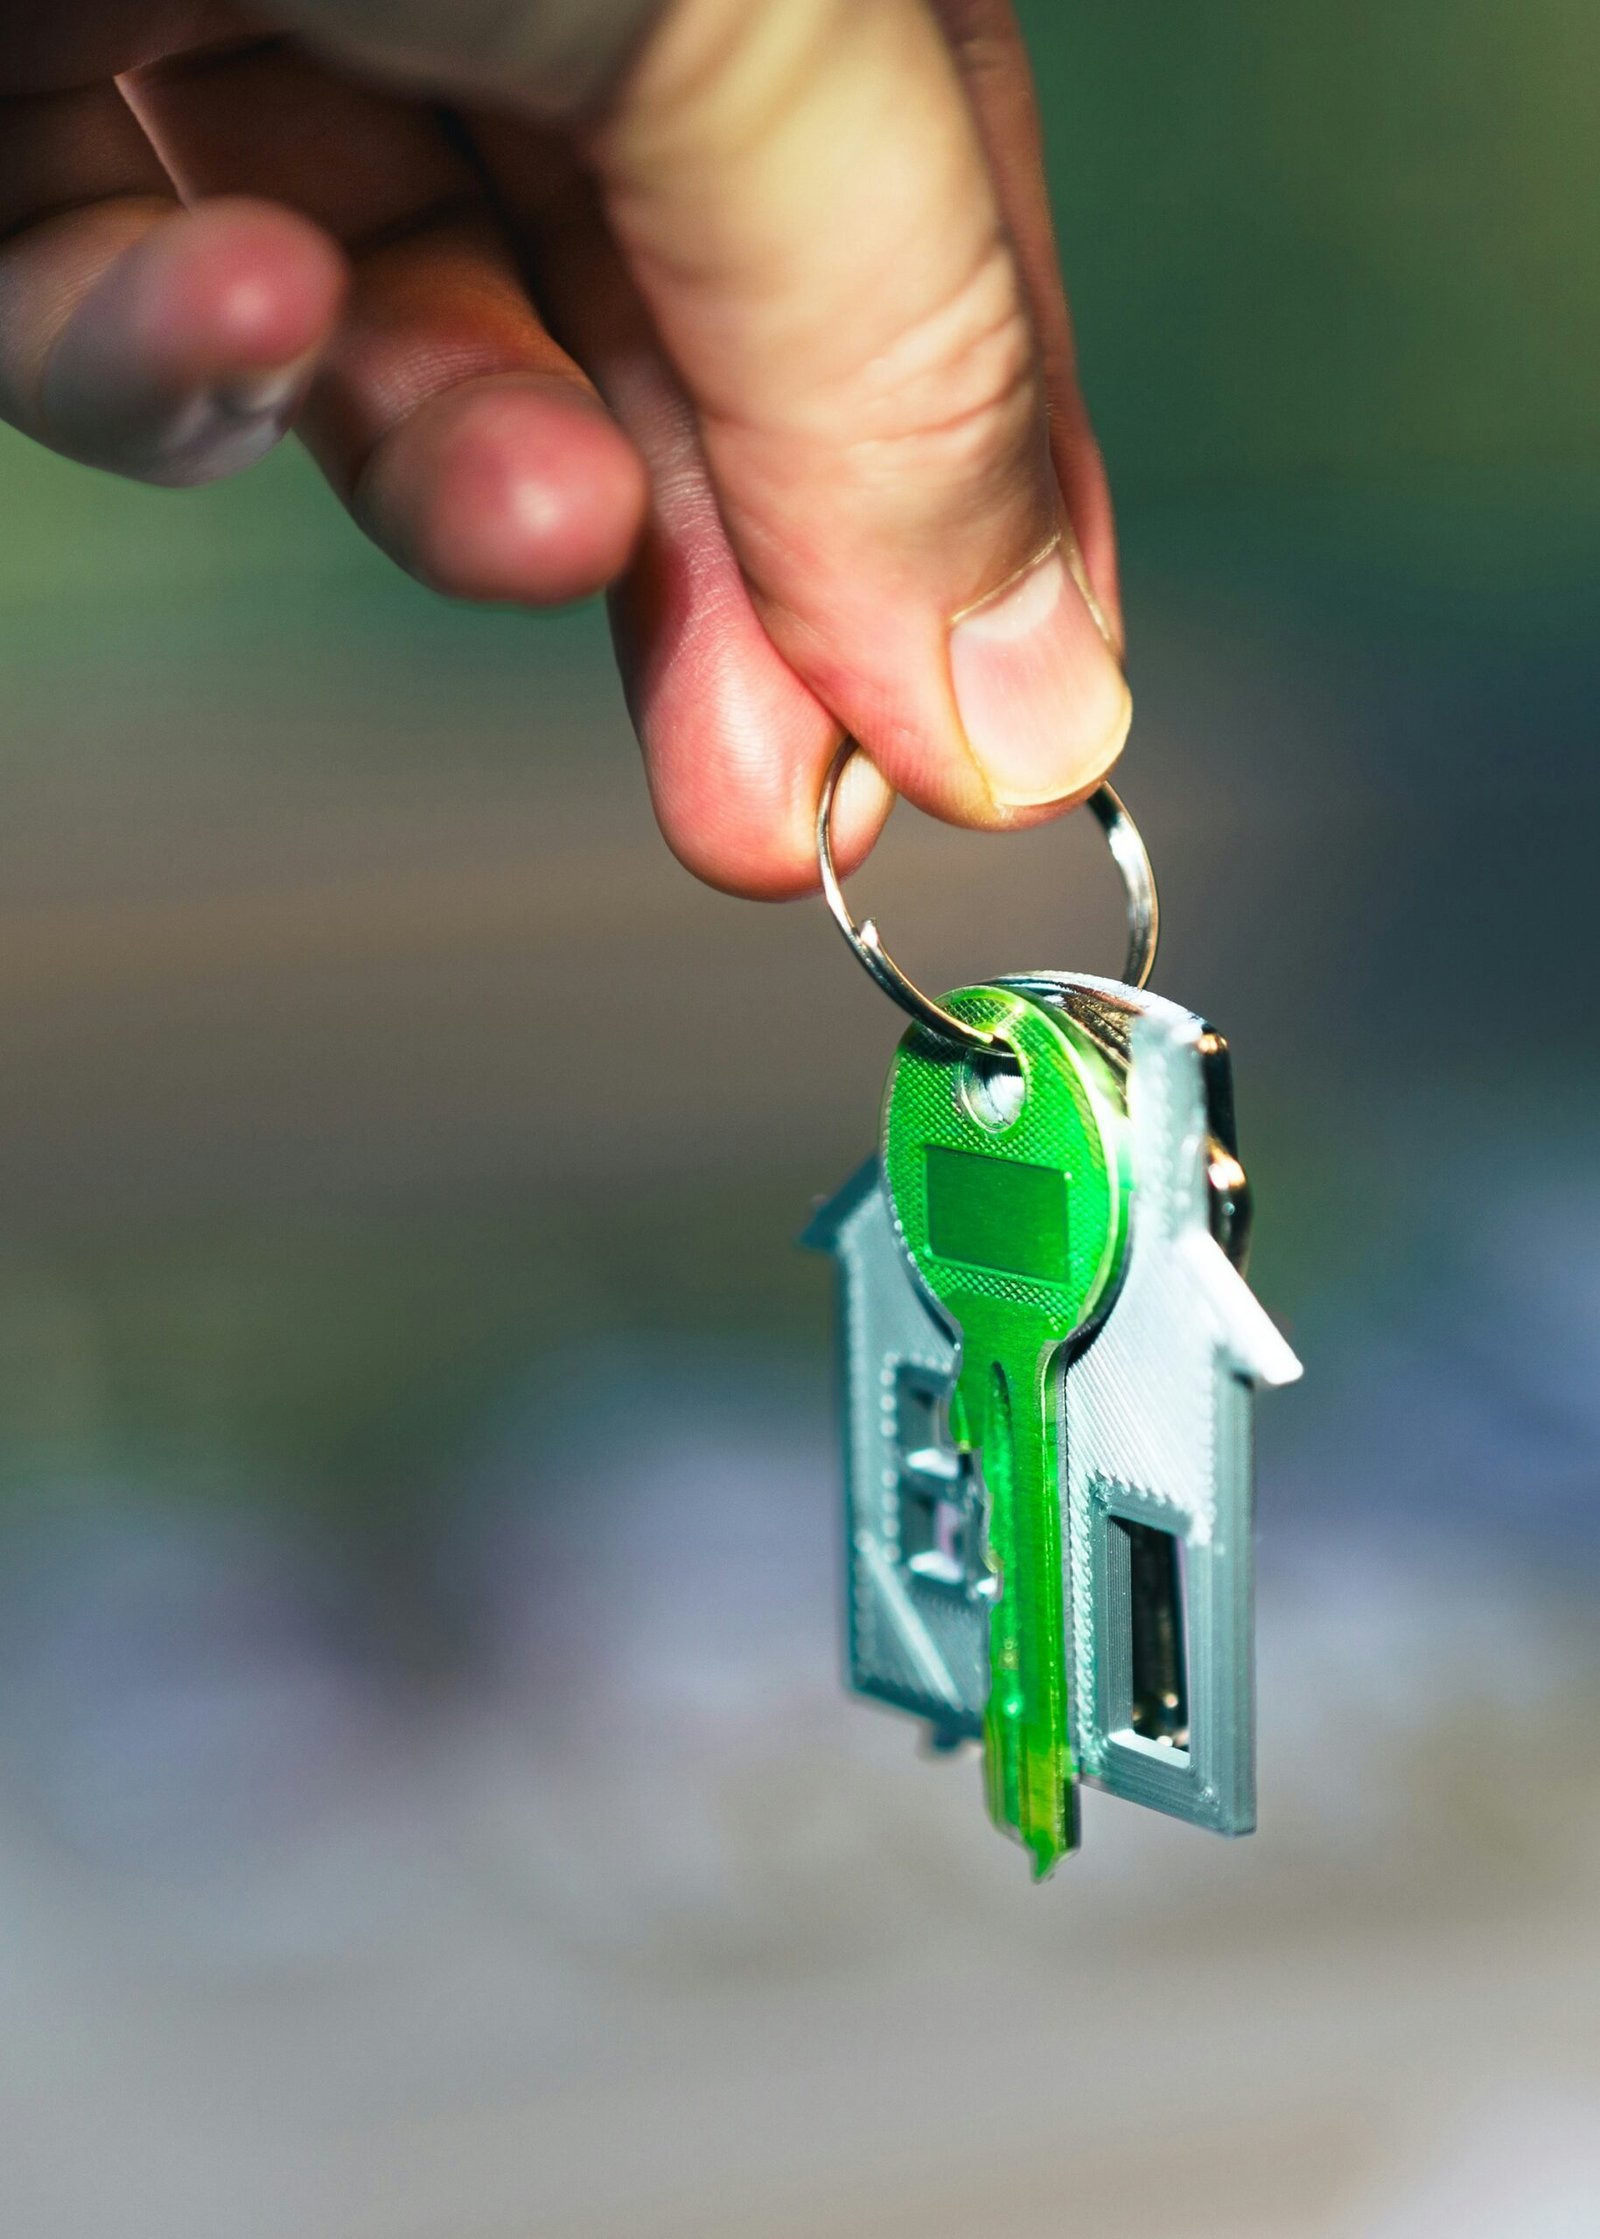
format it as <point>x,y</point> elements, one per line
<point>1139,886</point>
<point>1156,1415</point>
<point>916,1629</point>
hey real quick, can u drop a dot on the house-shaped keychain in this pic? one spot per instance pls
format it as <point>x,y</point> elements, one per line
<point>1155,1401</point>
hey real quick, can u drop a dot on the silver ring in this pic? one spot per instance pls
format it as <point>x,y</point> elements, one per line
<point>1138,883</point>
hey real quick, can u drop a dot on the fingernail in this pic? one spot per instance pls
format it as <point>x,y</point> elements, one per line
<point>223,429</point>
<point>1041,698</point>
<point>123,417</point>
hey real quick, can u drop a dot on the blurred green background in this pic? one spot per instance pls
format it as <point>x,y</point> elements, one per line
<point>426,1802</point>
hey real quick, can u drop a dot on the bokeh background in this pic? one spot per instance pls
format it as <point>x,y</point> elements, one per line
<point>428,1809</point>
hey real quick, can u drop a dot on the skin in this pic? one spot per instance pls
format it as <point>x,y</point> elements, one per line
<point>771,343</point>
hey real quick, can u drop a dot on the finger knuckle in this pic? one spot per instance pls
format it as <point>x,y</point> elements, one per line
<point>957,391</point>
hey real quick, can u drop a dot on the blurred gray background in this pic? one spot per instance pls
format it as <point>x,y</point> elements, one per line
<point>428,1809</point>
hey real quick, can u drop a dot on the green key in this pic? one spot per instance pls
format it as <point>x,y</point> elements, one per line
<point>1010,1182</point>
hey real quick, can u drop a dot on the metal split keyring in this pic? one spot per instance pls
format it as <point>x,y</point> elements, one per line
<point>1138,883</point>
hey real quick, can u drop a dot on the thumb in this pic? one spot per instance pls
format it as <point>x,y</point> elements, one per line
<point>801,190</point>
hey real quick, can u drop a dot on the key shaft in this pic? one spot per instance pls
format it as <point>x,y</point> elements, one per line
<point>1010,1187</point>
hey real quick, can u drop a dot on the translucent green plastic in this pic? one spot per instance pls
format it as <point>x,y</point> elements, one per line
<point>1017,1226</point>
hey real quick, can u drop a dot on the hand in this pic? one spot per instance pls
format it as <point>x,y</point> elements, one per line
<point>768,335</point>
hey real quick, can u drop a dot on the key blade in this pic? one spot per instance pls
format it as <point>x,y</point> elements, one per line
<point>1028,1769</point>
<point>1013,1208</point>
